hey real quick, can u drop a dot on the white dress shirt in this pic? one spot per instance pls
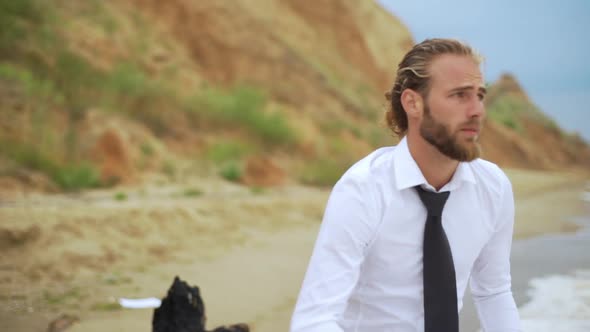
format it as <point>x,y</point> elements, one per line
<point>365,273</point>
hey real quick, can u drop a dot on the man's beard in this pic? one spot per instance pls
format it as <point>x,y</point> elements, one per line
<point>440,136</point>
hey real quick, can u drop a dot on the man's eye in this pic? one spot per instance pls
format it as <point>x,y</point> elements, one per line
<point>460,94</point>
<point>481,96</point>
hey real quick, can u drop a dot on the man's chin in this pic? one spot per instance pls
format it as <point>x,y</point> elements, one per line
<point>465,151</point>
<point>472,152</point>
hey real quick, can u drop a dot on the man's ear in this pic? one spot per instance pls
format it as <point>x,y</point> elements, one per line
<point>412,103</point>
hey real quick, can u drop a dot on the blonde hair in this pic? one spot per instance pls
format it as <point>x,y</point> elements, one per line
<point>413,73</point>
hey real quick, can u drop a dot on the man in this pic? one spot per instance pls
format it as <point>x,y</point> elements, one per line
<point>408,226</point>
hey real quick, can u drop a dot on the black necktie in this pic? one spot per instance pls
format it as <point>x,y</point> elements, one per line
<point>440,287</point>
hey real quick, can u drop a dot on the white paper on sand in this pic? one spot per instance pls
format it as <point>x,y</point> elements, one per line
<point>150,302</point>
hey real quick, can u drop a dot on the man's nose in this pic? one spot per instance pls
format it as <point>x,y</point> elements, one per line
<point>476,109</point>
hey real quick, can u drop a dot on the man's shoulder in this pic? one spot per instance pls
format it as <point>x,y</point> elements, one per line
<point>375,164</point>
<point>489,174</point>
<point>368,179</point>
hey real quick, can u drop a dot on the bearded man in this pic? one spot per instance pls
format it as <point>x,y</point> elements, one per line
<point>407,227</point>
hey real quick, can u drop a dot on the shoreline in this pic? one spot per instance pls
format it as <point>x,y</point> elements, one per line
<point>547,202</point>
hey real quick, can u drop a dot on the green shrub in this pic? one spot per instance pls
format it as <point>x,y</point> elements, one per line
<point>231,172</point>
<point>77,85</point>
<point>129,89</point>
<point>337,146</point>
<point>224,151</point>
<point>380,136</point>
<point>505,110</point>
<point>33,86</point>
<point>510,111</point>
<point>128,81</point>
<point>333,127</point>
<point>147,149</point>
<point>169,169</point>
<point>511,123</point>
<point>80,86</point>
<point>68,177</point>
<point>323,172</point>
<point>78,80</point>
<point>79,176</point>
<point>356,131</point>
<point>14,16</point>
<point>120,196</point>
<point>28,156</point>
<point>257,190</point>
<point>99,15</point>
<point>192,192</point>
<point>243,107</point>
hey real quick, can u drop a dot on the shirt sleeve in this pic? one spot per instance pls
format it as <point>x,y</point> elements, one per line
<point>490,278</point>
<point>340,248</point>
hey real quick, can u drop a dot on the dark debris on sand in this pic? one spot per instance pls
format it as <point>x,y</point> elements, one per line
<point>183,310</point>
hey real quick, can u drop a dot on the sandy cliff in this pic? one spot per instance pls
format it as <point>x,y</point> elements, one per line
<point>100,93</point>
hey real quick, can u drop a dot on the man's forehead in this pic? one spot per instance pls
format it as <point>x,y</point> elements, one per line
<point>450,70</point>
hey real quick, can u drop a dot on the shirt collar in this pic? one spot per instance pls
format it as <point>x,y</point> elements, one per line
<point>408,174</point>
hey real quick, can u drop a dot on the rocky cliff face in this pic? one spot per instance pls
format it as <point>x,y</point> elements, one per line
<point>518,134</point>
<point>223,82</point>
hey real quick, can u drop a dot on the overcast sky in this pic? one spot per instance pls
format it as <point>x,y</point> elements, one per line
<point>544,43</point>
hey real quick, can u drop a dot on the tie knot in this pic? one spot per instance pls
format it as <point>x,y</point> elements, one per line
<point>434,202</point>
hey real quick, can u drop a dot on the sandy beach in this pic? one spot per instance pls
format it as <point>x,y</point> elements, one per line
<point>247,249</point>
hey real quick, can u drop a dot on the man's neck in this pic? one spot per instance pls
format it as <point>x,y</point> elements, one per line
<point>437,168</point>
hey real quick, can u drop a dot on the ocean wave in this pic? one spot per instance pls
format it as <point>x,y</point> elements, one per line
<point>558,303</point>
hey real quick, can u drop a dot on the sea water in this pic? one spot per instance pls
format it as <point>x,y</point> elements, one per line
<point>561,302</point>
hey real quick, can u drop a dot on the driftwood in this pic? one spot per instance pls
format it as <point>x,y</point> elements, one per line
<point>183,310</point>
